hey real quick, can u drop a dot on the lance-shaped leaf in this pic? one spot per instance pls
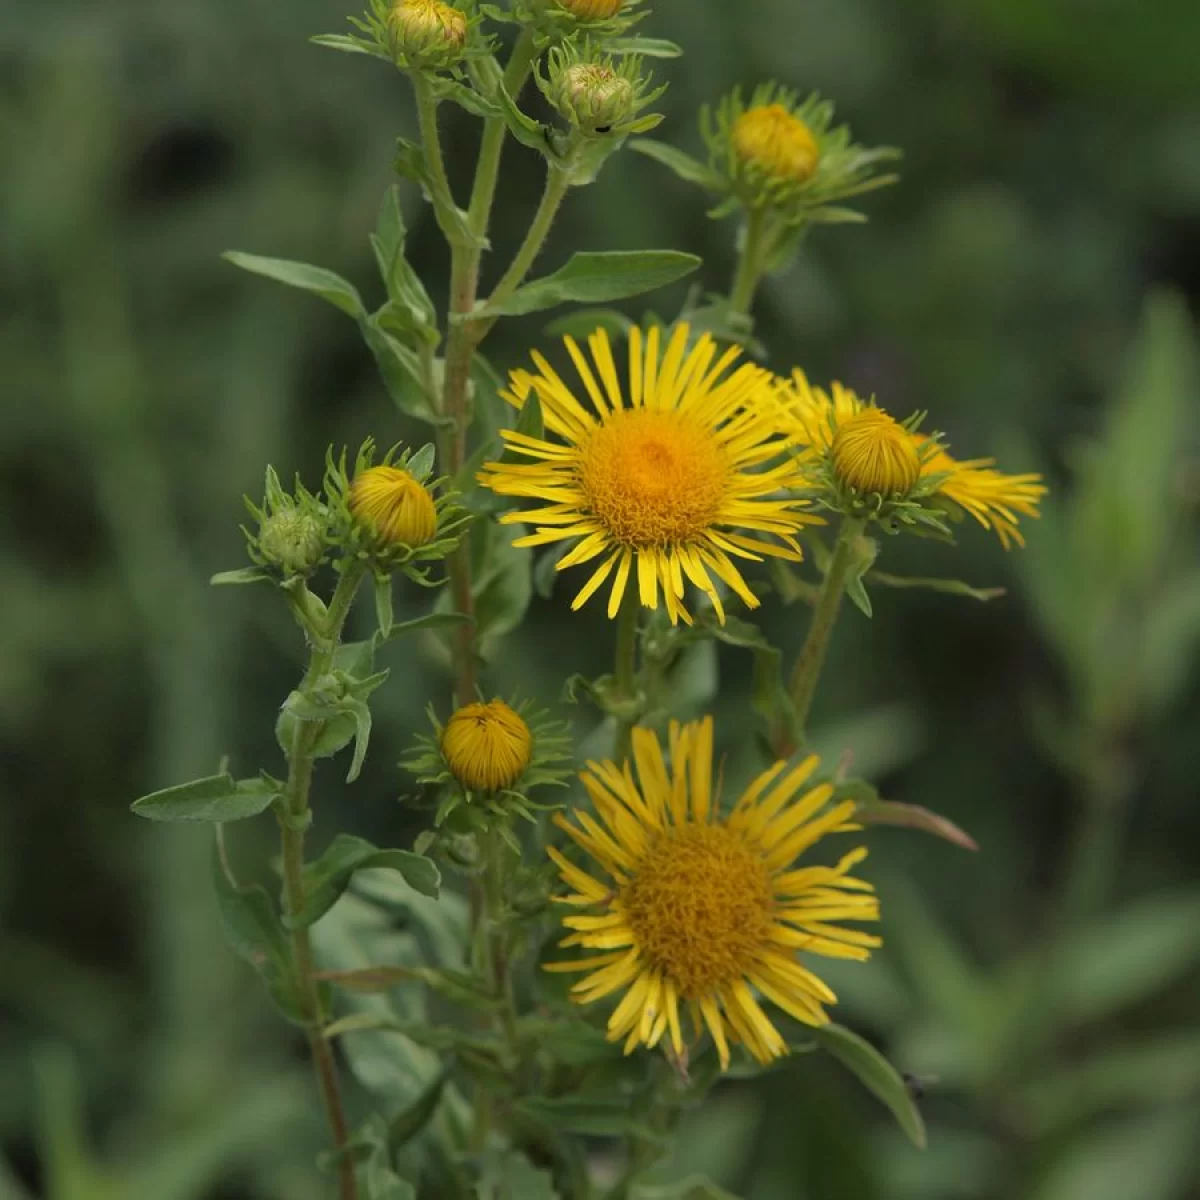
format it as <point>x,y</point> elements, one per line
<point>321,282</point>
<point>254,932</point>
<point>877,1075</point>
<point>214,798</point>
<point>327,878</point>
<point>689,169</point>
<point>872,810</point>
<point>593,278</point>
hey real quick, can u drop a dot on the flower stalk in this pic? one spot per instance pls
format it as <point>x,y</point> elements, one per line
<point>807,670</point>
<point>751,254</point>
<point>294,818</point>
<point>625,673</point>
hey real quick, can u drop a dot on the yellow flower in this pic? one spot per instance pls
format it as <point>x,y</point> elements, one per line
<point>667,478</point>
<point>873,452</point>
<point>701,909</point>
<point>814,420</point>
<point>592,10</point>
<point>487,746</point>
<point>393,504</point>
<point>781,145</point>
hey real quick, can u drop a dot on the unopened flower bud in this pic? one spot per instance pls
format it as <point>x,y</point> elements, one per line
<point>592,10</point>
<point>394,505</point>
<point>872,452</point>
<point>776,142</point>
<point>593,96</point>
<point>487,746</point>
<point>429,32</point>
<point>293,540</point>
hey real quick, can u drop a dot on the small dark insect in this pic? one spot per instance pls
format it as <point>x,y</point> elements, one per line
<point>917,1084</point>
<point>604,129</point>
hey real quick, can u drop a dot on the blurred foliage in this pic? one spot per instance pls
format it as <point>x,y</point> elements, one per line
<point>1042,993</point>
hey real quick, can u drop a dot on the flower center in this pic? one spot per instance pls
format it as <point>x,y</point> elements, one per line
<point>872,452</point>
<point>778,143</point>
<point>652,478</point>
<point>701,906</point>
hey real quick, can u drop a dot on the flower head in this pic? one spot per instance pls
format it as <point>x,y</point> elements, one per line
<point>293,539</point>
<point>859,454</point>
<point>873,452</point>
<point>675,477</point>
<point>593,96</point>
<point>592,10</point>
<point>396,507</point>
<point>487,746</point>
<point>702,909</point>
<point>429,32</point>
<point>771,139</point>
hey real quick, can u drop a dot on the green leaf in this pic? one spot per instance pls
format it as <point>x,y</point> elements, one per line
<point>400,370</point>
<point>327,878</point>
<point>1123,959</point>
<point>254,932</point>
<point>241,575</point>
<point>694,1187</point>
<point>647,47</point>
<point>411,1120</point>
<point>876,1074</point>
<point>214,798</point>
<point>592,278</point>
<point>874,811</point>
<point>587,1115</point>
<point>326,284</point>
<point>433,621</point>
<point>689,169</point>
<point>585,321</point>
<point>513,1175</point>
<point>502,582</point>
<point>951,587</point>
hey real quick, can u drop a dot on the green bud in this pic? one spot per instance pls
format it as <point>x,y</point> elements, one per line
<point>292,539</point>
<point>429,33</point>
<point>593,97</point>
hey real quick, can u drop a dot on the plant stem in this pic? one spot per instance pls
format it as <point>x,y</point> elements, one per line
<point>807,671</point>
<point>293,822</point>
<point>463,337</point>
<point>625,673</point>
<point>749,265</point>
<point>487,170</point>
<point>557,184</point>
<point>442,197</point>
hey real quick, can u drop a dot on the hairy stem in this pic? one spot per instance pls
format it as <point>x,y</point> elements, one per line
<point>625,674</point>
<point>487,170</point>
<point>293,822</point>
<point>557,185</point>
<point>807,670</point>
<point>749,264</point>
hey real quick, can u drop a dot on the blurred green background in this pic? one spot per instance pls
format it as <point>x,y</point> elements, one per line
<point>1032,282</point>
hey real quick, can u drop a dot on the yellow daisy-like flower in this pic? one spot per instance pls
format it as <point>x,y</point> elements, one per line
<point>487,746</point>
<point>777,142</point>
<point>393,504</point>
<point>703,910</point>
<point>671,478</point>
<point>814,420</point>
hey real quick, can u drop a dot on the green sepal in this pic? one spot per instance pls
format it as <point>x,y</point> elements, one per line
<point>214,798</point>
<point>242,575</point>
<point>648,47</point>
<point>321,282</point>
<point>876,1074</point>
<point>350,45</point>
<point>592,278</point>
<point>328,877</point>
